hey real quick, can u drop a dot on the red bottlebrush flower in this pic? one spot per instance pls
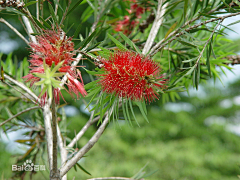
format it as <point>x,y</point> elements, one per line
<point>75,85</point>
<point>131,76</point>
<point>126,26</point>
<point>51,58</point>
<point>129,23</point>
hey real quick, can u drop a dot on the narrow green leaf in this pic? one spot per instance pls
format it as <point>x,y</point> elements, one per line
<point>118,44</point>
<point>124,110</point>
<point>52,14</point>
<point>50,91</point>
<point>172,7</point>
<point>9,64</point>
<point>56,2</point>
<point>199,29</point>
<point>84,170</point>
<point>104,110</point>
<point>94,91</point>
<point>43,91</point>
<point>91,100</point>
<point>130,43</point>
<point>74,6</point>
<point>187,43</point>
<point>87,40</point>
<point>194,78</point>
<point>185,9</point>
<point>108,6</point>
<point>183,74</point>
<point>45,23</point>
<point>69,28</point>
<point>91,84</point>
<point>58,74</point>
<point>195,6</point>
<point>93,46</point>
<point>25,66</point>
<point>41,75</point>
<point>56,68</point>
<point>38,23</point>
<point>113,112</point>
<point>198,72</point>
<point>140,173</point>
<point>86,14</point>
<point>30,3</point>
<point>77,31</point>
<point>127,112</point>
<point>208,53</point>
<point>190,60</point>
<point>75,168</point>
<point>141,108</point>
<point>14,11</point>
<point>170,29</point>
<point>190,70</point>
<point>131,108</point>
<point>93,72</point>
<point>236,22</point>
<point>91,5</point>
<point>100,105</point>
<point>150,173</point>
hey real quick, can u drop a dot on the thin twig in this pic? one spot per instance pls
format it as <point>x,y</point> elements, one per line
<point>15,30</point>
<point>56,7</point>
<point>32,127</point>
<point>155,27</point>
<point>25,95</point>
<point>98,17</point>
<point>63,151</point>
<point>83,130</point>
<point>177,30</point>
<point>90,122</point>
<point>37,10</point>
<point>47,114</point>
<point>74,64</point>
<point>205,45</point>
<point>87,147</point>
<point>65,13</point>
<point>23,87</point>
<point>55,173</point>
<point>18,114</point>
<point>29,16</point>
<point>29,29</point>
<point>189,29</point>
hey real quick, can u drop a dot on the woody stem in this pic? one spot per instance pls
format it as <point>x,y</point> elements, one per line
<point>55,173</point>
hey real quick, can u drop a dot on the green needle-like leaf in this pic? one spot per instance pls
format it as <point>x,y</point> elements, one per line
<point>52,13</point>
<point>56,68</point>
<point>40,82</point>
<point>50,91</point>
<point>43,91</point>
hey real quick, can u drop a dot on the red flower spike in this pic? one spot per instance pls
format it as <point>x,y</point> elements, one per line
<point>75,85</point>
<point>129,23</point>
<point>132,76</point>
<point>53,49</point>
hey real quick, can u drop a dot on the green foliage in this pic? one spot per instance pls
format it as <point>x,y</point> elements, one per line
<point>188,47</point>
